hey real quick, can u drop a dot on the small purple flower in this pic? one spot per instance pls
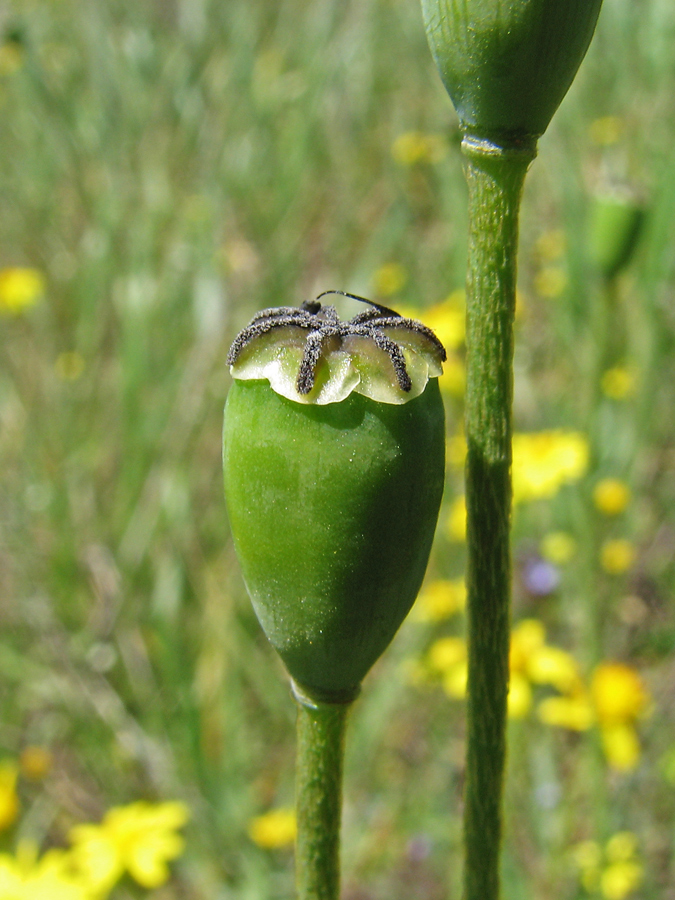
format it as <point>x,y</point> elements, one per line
<point>540,577</point>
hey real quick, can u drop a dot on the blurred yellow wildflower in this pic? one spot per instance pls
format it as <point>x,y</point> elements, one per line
<point>455,450</point>
<point>611,496</point>
<point>574,712</point>
<point>446,652</point>
<point>440,599</point>
<point>456,522</point>
<point>619,693</point>
<point>544,461</point>
<point>620,879</point>
<point>274,829</point>
<point>447,657</point>
<point>621,746</point>
<point>620,700</point>
<point>20,288</point>
<point>587,855</point>
<point>621,847</point>
<point>9,801</point>
<point>453,379</point>
<point>389,279</point>
<point>413,147</point>
<point>534,662</point>
<point>139,839</point>
<point>25,877</point>
<point>550,281</point>
<point>617,699</point>
<point>447,319</point>
<point>558,547</point>
<point>615,872</point>
<point>618,383</point>
<point>519,700</point>
<point>551,245</point>
<point>617,556</point>
<point>551,665</point>
<point>527,637</point>
<point>69,365</point>
<point>606,130</point>
<point>35,762</point>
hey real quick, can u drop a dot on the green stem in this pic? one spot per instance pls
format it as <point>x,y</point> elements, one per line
<point>495,176</point>
<point>318,797</point>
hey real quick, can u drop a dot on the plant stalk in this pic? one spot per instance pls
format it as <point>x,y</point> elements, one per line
<point>318,796</point>
<point>495,177</point>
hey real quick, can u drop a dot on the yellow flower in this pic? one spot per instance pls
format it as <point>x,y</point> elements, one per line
<point>440,599</point>
<point>447,657</point>
<point>617,699</point>
<point>414,147</point>
<point>456,524</point>
<point>550,281</point>
<point>519,701</point>
<point>9,801</point>
<point>575,713</point>
<point>453,379</point>
<point>606,130</point>
<point>551,665</point>
<point>447,319</point>
<point>611,496</point>
<point>456,450</point>
<point>25,877</point>
<point>532,661</point>
<point>617,556</point>
<point>446,652</point>
<point>20,288</point>
<point>621,746</point>
<point>139,839</point>
<point>587,855</point>
<point>544,461</point>
<point>618,693</point>
<point>527,637</point>
<point>558,547</point>
<point>276,828</point>
<point>620,699</point>
<point>389,279</point>
<point>620,879</point>
<point>618,383</point>
<point>616,873</point>
<point>621,847</point>
<point>454,681</point>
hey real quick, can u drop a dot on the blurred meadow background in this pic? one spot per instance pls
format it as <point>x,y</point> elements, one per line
<point>167,168</point>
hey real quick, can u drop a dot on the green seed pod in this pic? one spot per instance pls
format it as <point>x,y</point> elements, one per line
<point>614,229</point>
<point>333,505</point>
<point>507,64</point>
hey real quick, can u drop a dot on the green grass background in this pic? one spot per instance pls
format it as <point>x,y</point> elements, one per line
<point>172,166</point>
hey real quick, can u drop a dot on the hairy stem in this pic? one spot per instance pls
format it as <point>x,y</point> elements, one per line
<point>495,176</point>
<point>320,752</point>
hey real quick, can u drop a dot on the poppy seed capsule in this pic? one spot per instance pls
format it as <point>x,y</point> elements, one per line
<point>507,64</point>
<point>333,505</point>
